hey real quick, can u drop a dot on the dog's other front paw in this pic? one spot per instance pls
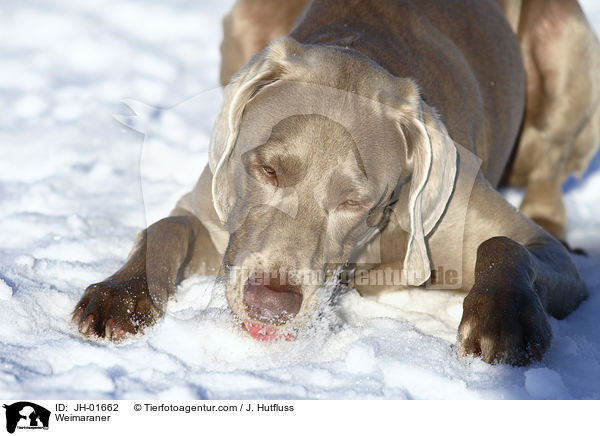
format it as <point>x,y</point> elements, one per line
<point>504,326</point>
<point>115,308</point>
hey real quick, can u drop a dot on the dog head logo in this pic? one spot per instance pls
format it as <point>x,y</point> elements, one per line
<point>26,415</point>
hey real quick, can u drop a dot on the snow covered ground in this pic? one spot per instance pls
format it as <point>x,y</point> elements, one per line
<point>73,195</point>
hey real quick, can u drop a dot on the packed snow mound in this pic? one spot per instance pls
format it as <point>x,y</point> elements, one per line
<point>76,186</point>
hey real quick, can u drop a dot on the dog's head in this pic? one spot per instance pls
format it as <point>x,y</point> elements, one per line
<point>314,150</point>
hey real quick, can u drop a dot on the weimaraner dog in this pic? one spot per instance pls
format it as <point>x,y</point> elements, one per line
<point>363,142</point>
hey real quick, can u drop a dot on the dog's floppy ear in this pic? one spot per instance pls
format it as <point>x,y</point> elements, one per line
<point>265,68</point>
<point>432,156</point>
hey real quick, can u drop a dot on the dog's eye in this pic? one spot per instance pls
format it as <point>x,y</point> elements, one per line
<point>269,172</point>
<point>350,204</point>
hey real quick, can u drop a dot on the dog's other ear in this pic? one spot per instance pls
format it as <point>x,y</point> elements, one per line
<point>263,69</point>
<point>432,155</point>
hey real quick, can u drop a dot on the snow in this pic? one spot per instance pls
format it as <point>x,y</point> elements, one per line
<point>544,383</point>
<point>76,186</point>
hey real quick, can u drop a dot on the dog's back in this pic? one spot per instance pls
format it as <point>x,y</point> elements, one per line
<point>455,51</point>
<point>560,127</point>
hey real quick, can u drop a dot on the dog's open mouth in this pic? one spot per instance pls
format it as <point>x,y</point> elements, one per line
<point>264,333</point>
<point>269,305</point>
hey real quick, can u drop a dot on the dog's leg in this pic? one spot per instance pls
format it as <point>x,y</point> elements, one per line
<point>560,131</point>
<point>517,279</point>
<point>134,297</point>
<point>250,26</point>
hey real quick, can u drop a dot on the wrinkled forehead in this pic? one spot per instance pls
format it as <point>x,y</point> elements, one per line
<point>364,126</point>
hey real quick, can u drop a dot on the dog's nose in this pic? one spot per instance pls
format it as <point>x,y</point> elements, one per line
<point>271,301</point>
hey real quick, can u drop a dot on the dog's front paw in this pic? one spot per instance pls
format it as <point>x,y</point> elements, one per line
<point>115,308</point>
<point>504,326</point>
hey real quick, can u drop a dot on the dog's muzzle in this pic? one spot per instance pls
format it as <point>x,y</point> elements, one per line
<point>269,302</point>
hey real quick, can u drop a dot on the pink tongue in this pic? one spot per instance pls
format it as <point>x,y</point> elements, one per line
<point>264,333</point>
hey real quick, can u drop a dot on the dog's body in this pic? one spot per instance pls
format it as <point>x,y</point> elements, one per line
<point>443,82</point>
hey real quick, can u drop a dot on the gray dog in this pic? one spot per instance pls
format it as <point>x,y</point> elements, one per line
<point>366,145</point>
